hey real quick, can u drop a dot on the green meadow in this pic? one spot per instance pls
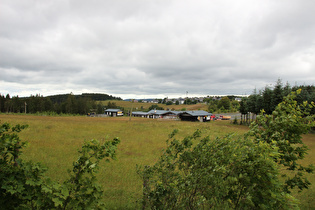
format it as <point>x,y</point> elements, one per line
<point>54,141</point>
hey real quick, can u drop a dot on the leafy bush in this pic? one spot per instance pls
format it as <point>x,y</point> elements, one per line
<point>235,122</point>
<point>169,103</point>
<point>24,185</point>
<point>284,127</point>
<point>234,172</point>
<point>228,172</point>
<point>155,106</point>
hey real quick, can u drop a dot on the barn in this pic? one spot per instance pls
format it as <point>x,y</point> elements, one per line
<point>199,115</point>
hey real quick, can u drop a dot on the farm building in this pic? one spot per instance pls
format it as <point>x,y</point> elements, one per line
<point>156,114</point>
<point>140,114</point>
<point>114,112</point>
<point>199,115</point>
<point>162,114</point>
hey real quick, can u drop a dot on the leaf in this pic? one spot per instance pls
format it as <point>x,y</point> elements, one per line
<point>65,192</point>
<point>57,202</point>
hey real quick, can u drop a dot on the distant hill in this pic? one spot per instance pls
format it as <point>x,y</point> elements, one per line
<point>93,96</point>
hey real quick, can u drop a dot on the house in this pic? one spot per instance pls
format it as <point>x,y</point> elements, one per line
<point>140,114</point>
<point>181,100</point>
<point>162,114</point>
<point>114,112</point>
<point>199,115</point>
<point>155,114</point>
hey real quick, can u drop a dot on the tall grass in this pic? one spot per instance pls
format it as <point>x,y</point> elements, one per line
<point>54,141</point>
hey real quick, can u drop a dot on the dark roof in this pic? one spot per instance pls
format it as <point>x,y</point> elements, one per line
<point>112,110</point>
<point>196,113</point>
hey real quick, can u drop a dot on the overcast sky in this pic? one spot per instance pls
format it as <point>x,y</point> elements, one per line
<point>154,48</point>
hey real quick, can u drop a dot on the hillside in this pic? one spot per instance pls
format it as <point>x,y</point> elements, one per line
<point>93,96</point>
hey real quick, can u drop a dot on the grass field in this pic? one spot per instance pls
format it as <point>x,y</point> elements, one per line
<point>54,141</point>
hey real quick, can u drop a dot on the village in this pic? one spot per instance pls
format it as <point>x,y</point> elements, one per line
<point>180,100</point>
<point>198,115</point>
<point>184,115</point>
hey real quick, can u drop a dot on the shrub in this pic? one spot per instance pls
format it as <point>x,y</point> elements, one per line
<point>284,127</point>
<point>229,172</point>
<point>23,185</point>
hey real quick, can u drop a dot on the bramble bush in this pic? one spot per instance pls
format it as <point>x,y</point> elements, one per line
<point>23,185</point>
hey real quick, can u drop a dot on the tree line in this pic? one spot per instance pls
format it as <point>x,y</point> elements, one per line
<point>65,103</point>
<point>268,99</point>
<point>224,104</point>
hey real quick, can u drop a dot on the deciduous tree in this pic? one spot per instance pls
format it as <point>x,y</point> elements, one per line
<point>284,128</point>
<point>223,173</point>
<point>224,103</point>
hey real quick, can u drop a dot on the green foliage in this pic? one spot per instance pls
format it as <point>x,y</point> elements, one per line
<point>243,106</point>
<point>254,103</point>
<point>224,103</point>
<point>24,185</point>
<point>244,110</point>
<point>66,103</point>
<point>155,106</point>
<point>99,96</point>
<point>235,105</point>
<point>285,127</point>
<point>100,109</point>
<point>234,172</point>
<point>111,105</point>
<point>189,101</point>
<point>212,107</point>
<point>235,122</point>
<point>222,173</point>
<point>307,94</point>
<point>269,98</point>
<point>84,192</point>
<point>169,103</point>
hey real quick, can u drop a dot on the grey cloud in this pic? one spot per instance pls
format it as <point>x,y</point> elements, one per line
<point>155,47</point>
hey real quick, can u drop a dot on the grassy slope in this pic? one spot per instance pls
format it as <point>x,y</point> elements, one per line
<point>55,140</point>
